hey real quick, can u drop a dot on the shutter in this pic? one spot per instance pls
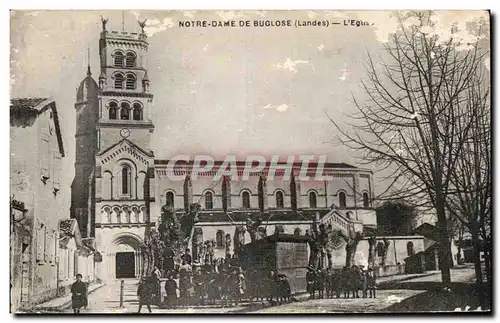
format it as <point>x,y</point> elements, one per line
<point>56,166</point>
<point>44,156</point>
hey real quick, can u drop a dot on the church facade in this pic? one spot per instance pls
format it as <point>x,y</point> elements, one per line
<point>120,185</point>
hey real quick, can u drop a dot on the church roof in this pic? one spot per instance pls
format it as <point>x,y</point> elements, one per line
<point>23,112</point>
<point>270,215</point>
<point>88,87</point>
<point>243,163</point>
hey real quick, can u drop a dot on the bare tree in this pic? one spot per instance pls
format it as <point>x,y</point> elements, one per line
<point>407,124</point>
<point>470,203</point>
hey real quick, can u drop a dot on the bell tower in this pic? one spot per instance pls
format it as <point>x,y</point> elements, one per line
<point>124,97</point>
<point>124,162</point>
<point>86,108</point>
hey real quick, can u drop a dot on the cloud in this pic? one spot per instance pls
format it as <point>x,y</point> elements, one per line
<point>320,47</point>
<point>282,108</point>
<point>205,48</point>
<point>312,14</point>
<point>136,14</point>
<point>189,13</point>
<point>230,14</point>
<point>337,14</point>
<point>445,25</point>
<point>32,13</point>
<point>279,108</point>
<point>290,65</point>
<point>154,26</point>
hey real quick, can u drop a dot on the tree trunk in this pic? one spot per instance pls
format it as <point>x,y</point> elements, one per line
<point>476,244</point>
<point>371,252</point>
<point>444,243</point>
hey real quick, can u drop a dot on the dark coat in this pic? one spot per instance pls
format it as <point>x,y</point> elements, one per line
<point>145,292</point>
<point>171,289</point>
<point>79,295</point>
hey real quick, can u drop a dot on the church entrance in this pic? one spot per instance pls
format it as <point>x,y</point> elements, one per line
<point>125,265</point>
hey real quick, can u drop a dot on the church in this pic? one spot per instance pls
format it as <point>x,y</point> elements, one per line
<point>120,185</point>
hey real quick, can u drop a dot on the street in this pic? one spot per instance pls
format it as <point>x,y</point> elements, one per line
<point>107,298</point>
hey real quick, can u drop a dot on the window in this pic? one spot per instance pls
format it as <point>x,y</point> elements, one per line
<point>297,232</point>
<point>409,249</point>
<point>130,60</point>
<point>312,200</point>
<point>209,203</point>
<point>119,81</point>
<point>380,249</point>
<point>342,202</point>
<point>125,180</point>
<point>137,112</point>
<point>113,109</point>
<point>125,111</point>
<point>366,203</point>
<point>245,200</point>
<point>118,59</point>
<point>279,200</point>
<point>130,83</point>
<point>219,239</point>
<point>170,199</point>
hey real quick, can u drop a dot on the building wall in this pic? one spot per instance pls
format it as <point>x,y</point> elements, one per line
<point>43,200</point>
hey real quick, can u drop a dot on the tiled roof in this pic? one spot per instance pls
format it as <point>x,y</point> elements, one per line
<point>26,103</point>
<point>25,108</point>
<point>243,163</point>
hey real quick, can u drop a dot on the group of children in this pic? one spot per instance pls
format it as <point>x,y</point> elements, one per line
<point>349,280</point>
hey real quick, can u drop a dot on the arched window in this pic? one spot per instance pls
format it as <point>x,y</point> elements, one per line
<point>312,200</point>
<point>125,180</point>
<point>279,200</point>
<point>125,111</point>
<point>130,60</point>
<point>119,81</point>
<point>170,199</point>
<point>220,239</point>
<point>209,202</point>
<point>113,110</point>
<point>409,249</point>
<point>366,203</point>
<point>137,112</point>
<point>118,59</point>
<point>342,203</point>
<point>130,83</point>
<point>245,200</point>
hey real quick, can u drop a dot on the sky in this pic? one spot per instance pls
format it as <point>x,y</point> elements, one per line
<point>217,91</point>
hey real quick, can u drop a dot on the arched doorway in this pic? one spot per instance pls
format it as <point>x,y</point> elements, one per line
<point>125,257</point>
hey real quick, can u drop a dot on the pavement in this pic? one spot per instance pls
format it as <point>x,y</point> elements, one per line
<point>60,303</point>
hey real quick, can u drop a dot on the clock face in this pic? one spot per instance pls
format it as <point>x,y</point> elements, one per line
<point>125,133</point>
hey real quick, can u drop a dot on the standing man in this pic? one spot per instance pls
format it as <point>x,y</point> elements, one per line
<point>145,292</point>
<point>78,294</point>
